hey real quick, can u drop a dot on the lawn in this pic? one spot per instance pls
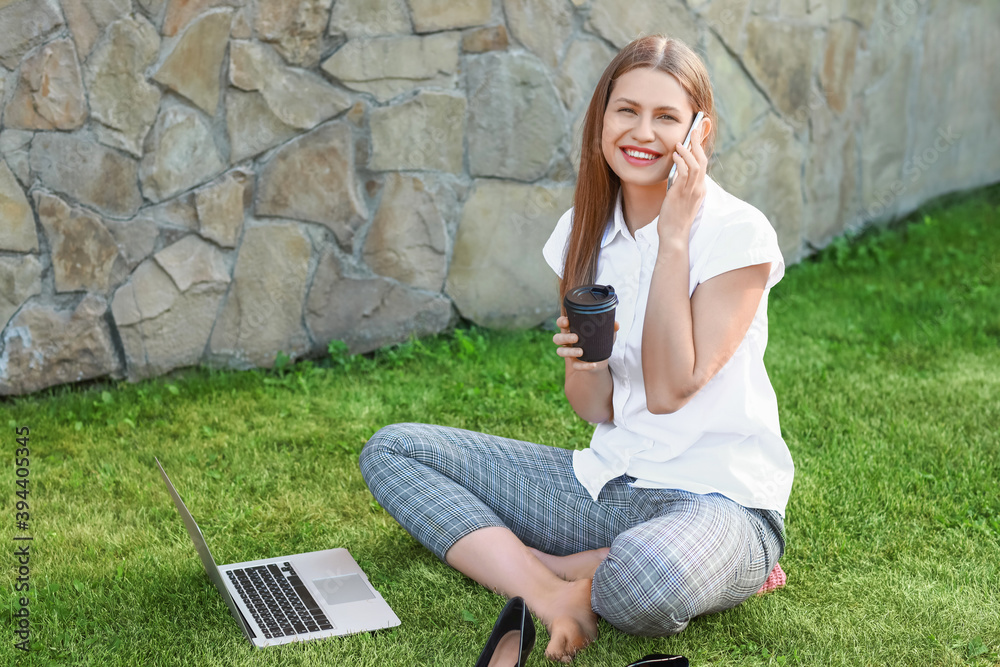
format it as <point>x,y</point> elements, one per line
<point>885,356</point>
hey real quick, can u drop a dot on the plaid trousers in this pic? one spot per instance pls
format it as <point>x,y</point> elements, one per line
<point>674,554</point>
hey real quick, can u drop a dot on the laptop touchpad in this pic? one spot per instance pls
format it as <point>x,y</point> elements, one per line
<point>346,588</point>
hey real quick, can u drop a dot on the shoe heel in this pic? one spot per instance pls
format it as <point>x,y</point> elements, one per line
<point>515,617</point>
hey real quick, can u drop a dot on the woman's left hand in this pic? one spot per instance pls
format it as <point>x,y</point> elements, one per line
<point>684,197</point>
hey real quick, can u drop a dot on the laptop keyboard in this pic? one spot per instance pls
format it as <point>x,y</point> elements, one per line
<point>278,600</point>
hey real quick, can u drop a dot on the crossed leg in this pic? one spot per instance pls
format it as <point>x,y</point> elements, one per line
<point>481,503</point>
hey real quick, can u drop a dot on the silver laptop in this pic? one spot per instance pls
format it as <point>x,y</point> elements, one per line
<point>292,598</point>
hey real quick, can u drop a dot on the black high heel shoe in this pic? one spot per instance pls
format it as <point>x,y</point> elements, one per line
<point>660,660</point>
<point>515,617</point>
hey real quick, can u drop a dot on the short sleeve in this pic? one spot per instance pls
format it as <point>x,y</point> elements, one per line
<point>554,250</point>
<point>744,240</point>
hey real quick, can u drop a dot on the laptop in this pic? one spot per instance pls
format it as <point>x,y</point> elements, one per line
<point>292,598</point>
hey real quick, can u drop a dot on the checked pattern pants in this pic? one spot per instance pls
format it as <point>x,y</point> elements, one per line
<point>674,554</point>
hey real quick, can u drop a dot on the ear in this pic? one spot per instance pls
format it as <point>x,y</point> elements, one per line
<point>705,129</point>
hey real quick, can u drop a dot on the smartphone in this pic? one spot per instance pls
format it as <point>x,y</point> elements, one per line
<point>687,144</point>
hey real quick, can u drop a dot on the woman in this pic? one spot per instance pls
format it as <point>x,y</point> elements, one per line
<point>676,508</point>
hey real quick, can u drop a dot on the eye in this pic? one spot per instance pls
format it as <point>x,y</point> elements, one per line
<point>668,117</point>
<point>628,109</point>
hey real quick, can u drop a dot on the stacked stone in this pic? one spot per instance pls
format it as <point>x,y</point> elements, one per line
<point>215,181</point>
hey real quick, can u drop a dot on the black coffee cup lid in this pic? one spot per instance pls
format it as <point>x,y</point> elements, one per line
<point>591,298</point>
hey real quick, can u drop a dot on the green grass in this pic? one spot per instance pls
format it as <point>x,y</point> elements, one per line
<point>884,353</point>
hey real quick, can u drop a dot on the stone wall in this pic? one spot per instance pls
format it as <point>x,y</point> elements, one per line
<point>215,181</point>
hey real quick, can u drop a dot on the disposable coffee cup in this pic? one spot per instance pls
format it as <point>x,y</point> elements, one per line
<point>591,313</point>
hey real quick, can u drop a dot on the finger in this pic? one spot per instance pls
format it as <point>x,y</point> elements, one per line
<point>682,168</point>
<point>569,352</point>
<point>690,161</point>
<point>699,148</point>
<point>565,338</point>
<point>562,322</point>
<point>617,326</point>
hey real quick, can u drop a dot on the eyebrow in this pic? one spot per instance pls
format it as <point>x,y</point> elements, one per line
<point>636,104</point>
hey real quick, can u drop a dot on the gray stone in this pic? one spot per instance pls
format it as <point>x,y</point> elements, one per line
<point>250,64</point>
<point>883,142</point>
<point>44,346</point>
<point>313,179</point>
<point>49,93</point>
<point>764,169</point>
<point>295,27</point>
<point>88,172</point>
<point>726,18</point>
<point>192,67</point>
<point>191,261</point>
<point>84,253</point>
<point>838,64</point>
<point>498,253</point>
<point>17,222</point>
<point>516,122</point>
<point>243,23</point>
<point>252,126</point>
<point>620,23</point>
<point>955,138</point>
<point>896,29</point>
<point>861,12</point>
<point>20,279</point>
<point>389,66</point>
<point>149,293</point>
<point>576,142</point>
<point>586,60</point>
<point>14,140</point>
<point>738,102</point>
<point>481,40</point>
<point>434,15</point>
<point>24,24</point>
<point>263,311</point>
<point>369,313</point>
<point>179,212</point>
<point>407,240</point>
<point>121,99</point>
<point>15,149</point>
<point>369,18</point>
<point>220,209</point>
<point>830,178</point>
<point>180,13</point>
<point>87,19</point>
<point>297,98</point>
<point>160,327</point>
<point>136,238</point>
<point>542,27</point>
<point>180,154</point>
<point>152,8</point>
<point>424,132</point>
<point>780,57</point>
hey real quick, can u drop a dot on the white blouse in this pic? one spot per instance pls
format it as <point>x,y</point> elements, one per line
<point>726,439</point>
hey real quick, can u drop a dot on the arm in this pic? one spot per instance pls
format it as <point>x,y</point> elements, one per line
<point>686,341</point>
<point>588,385</point>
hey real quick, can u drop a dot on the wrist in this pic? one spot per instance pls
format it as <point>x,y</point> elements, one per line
<point>672,243</point>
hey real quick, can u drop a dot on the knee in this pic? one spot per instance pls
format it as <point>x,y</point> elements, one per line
<point>387,441</point>
<point>644,591</point>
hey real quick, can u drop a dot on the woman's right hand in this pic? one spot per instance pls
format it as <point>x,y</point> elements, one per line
<point>566,341</point>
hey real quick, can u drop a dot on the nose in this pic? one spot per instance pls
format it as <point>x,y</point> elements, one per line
<point>643,128</point>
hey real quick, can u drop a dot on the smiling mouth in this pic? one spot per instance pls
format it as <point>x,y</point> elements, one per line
<point>640,155</point>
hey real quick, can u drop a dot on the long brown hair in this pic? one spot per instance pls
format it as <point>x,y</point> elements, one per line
<point>597,185</point>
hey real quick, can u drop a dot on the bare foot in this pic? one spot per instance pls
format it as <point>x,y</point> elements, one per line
<point>571,622</point>
<point>573,567</point>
